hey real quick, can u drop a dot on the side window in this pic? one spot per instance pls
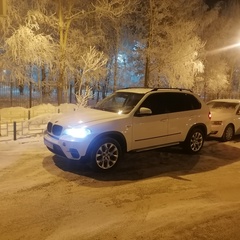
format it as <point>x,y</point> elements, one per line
<point>179,102</point>
<point>156,103</point>
<point>192,103</point>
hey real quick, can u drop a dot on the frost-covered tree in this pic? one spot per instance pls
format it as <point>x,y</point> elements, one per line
<point>63,21</point>
<point>25,48</point>
<point>218,81</point>
<point>115,33</point>
<point>222,51</point>
<point>231,49</point>
<point>21,46</point>
<point>71,18</point>
<point>91,63</point>
<point>173,43</point>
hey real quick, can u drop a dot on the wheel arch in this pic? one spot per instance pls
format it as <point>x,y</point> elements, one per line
<point>194,144</point>
<point>119,137</point>
<point>200,126</point>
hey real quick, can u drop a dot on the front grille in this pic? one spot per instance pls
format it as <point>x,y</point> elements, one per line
<point>54,129</point>
<point>49,127</point>
<point>57,130</point>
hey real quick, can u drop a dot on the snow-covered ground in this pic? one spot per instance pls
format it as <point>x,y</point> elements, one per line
<point>30,125</point>
<point>159,194</point>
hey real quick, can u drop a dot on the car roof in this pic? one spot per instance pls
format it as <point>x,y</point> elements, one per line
<point>146,90</point>
<point>226,100</point>
<point>136,90</point>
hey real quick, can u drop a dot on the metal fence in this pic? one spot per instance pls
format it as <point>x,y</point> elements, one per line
<point>28,95</point>
<point>20,130</point>
<point>12,94</point>
<point>18,122</point>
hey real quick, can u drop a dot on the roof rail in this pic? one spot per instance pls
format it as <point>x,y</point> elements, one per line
<point>180,89</point>
<point>151,89</point>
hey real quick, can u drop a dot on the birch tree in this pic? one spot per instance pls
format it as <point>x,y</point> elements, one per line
<point>93,61</point>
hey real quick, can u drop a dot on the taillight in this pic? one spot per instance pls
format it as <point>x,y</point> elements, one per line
<point>209,115</point>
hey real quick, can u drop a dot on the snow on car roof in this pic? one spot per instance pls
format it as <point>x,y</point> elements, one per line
<point>135,90</point>
<point>226,100</point>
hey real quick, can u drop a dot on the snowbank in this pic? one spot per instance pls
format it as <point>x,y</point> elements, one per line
<point>20,123</point>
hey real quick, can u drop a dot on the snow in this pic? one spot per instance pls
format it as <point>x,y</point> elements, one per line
<point>172,196</point>
<point>29,122</point>
<point>34,127</point>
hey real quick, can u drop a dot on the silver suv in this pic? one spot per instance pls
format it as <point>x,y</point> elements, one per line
<point>132,119</point>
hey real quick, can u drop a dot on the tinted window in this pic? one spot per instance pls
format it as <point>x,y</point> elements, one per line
<point>178,102</point>
<point>160,103</point>
<point>192,102</point>
<point>156,102</point>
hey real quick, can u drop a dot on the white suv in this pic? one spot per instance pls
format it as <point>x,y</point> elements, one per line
<point>133,119</point>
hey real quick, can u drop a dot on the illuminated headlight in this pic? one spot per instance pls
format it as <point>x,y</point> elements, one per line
<point>77,132</point>
<point>217,122</point>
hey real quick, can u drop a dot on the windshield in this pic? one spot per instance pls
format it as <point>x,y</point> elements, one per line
<point>119,102</point>
<point>222,106</point>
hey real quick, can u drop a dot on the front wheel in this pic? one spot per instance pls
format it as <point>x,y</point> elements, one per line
<point>105,154</point>
<point>194,141</point>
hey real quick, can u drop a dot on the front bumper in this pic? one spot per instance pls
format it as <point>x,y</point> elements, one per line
<point>216,131</point>
<point>68,148</point>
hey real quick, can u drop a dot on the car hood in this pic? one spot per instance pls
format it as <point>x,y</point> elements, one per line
<point>84,116</point>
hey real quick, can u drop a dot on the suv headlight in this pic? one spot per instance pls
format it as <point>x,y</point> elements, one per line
<point>78,132</point>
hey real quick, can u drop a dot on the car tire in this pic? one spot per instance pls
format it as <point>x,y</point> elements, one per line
<point>105,154</point>
<point>228,133</point>
<point>194,141</point>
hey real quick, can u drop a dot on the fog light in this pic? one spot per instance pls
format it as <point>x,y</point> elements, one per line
<point>74,153</point>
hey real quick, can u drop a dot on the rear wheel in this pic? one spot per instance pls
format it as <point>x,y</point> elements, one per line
<point>194,141</point>
<point>228,133</point>
<point>105,154</point>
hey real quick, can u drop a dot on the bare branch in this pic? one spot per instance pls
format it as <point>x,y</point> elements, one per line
<point>115,8</point>
<point>93,60</point>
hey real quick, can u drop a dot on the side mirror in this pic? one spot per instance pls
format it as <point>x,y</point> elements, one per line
<point>143,111</point>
